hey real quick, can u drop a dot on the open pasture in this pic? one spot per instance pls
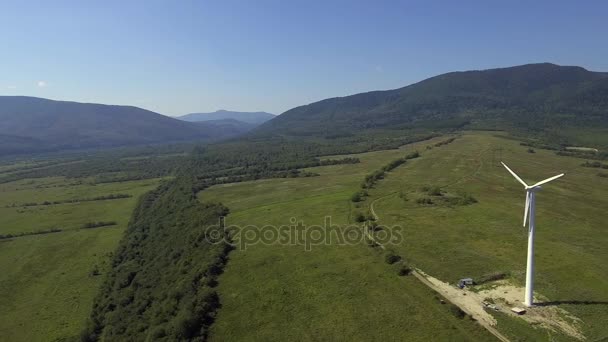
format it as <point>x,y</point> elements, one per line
<point>49,280</point>
<point>446,241</point>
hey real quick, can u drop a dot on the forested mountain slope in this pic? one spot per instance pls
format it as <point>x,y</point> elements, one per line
<point>29,124</point>
<point>535,96</point>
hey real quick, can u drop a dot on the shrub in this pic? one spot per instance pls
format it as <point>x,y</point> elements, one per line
<point>95,271</point>
<point>462,199</point>
<point>434,191</point>
<point>391,258</point>
<point>531,150</point>
<point>359,217</point>
<point>594,164</point>
<point>412,155</point>
<point>98,224</point>
<point>457,312</point>
<point>404,270</point>
<point>424,201</point>
<point>356,197</point>
<point>491,277</point>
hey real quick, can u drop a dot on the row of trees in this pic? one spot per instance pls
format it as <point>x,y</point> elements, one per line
<point>37,232</point>
<point>75,200</point>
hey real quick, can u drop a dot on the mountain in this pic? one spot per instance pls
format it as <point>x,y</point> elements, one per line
<point>256,118</point>
<point>532,96</point>
<point>228,127</point>
<point>29,124</point>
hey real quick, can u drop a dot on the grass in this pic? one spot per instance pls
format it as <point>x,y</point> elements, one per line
<point>47,281</point>
<point>282,292</point>
<point>67,215</point>
<point>485,237</point>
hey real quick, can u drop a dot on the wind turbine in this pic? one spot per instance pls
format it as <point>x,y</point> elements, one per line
<point>529,212</point>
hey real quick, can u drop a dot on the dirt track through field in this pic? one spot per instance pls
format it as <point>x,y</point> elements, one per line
<point>471,307</point>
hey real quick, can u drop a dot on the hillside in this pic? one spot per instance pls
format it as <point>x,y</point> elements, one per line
<point>255,118</point>
<point>29,124</point>
<point>228,127</point>
<point>534,95</point>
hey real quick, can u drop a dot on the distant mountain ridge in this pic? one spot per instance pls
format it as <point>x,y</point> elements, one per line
<point>533,96</point>
<point>255,118</point>
<point>30,124</point>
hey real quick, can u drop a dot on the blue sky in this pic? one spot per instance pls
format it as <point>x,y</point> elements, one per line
<point>176,57</point>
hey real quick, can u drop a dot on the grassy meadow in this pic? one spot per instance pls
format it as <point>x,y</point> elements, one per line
<point>49,280</point>
<point>334,291</point>
<point>452,242</point>
<point>277,292</point>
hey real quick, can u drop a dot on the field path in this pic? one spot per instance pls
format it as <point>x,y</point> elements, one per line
<point>484,319</point>
<point>371,205</point>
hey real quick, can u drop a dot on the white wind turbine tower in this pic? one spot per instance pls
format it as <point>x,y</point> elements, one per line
<point>529,212</point>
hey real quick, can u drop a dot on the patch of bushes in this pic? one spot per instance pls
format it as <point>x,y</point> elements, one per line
<point>461,199</point>
<point>98,198</point>
<point>437,196</point>
<point>412,155</point>
<point>457,312</point>
<point>530,150</point>
<point>603,175</point>
<point>164,272</point>
<point>38,232</point>
<point>432,190</point>
<point>491,277</point>
<point>360,217</point>
<point>371,179</point>
<point>98,224</point>
<point>425,201</point>
<point>391,258</point>
<point>404,270</point>
<point>358,196</point>
<point>595,164</point>
<point>444,142</point>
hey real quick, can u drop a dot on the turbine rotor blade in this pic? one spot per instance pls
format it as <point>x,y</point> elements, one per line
<point>547,180</point>
<point>514,174</point>
<point>527,207</point>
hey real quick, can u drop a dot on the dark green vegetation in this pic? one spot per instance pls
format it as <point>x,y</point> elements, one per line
<point>253,118</point>
<point>553,103</point>
<point>111,166</point>
<point>73,200</point>
<point>161,286</point>
<point>37,232</point>
<point>29,124</point>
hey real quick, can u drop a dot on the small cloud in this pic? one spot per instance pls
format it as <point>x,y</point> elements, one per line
<point>379,68</point>
<point>11,87</point>
<point>41,84</point>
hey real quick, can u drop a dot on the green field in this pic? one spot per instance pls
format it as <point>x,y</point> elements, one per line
<point>461,241</point>
<point>274,292</point>
<point>47,280</point>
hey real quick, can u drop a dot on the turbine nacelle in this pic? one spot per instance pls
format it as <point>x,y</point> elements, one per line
<point>529,189</point>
